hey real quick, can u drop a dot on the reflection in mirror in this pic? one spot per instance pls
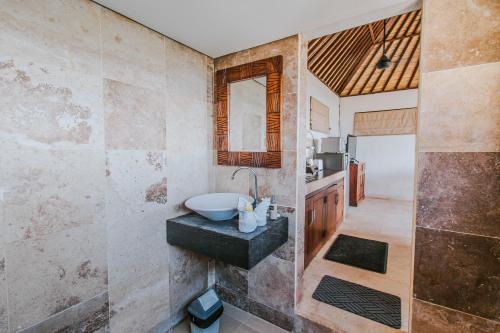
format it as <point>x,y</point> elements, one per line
<point>247,115</point>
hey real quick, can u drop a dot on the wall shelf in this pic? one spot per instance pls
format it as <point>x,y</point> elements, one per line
<point>223,241</point>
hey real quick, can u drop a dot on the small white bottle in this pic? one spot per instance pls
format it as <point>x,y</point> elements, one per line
<point>249,222</point>
<point>273,208</point>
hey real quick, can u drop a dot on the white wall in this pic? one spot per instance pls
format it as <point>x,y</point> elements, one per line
<point>390,160</point>
<point>373,102</point>
<point>322,93</point>
<point>390,165</point>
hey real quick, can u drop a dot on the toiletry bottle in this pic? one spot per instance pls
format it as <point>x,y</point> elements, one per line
<point>249,223</point>
<point>261,212</point>
<point>273,208</point>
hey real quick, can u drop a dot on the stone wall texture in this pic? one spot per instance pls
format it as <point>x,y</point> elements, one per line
<point>103,123</point>
<point>457,245</point>
<point>268,289</point>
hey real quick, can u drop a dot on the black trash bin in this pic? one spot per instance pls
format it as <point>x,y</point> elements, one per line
<point>204,313</point>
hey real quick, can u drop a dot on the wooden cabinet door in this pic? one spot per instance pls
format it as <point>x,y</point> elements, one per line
<point>353,184</point>
<point>324,214</point>
<point>331,209</point>
<point>361,191</point>
<point>314,226</point>
<point>356,183</point>
<point>307,233</point>
<point>339,205</point>
<point>318,221</point>
<point>361,181</point>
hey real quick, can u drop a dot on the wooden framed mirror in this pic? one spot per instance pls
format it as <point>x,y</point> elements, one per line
<point>249,99</point>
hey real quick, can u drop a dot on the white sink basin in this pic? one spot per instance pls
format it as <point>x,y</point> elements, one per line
<point>216,206</point>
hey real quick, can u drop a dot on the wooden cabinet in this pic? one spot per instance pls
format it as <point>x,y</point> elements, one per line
<point>356,183</point>
<point>324,214</point>
<point>339,205</point>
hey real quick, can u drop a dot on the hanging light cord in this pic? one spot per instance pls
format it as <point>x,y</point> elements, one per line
<point>383,46</point>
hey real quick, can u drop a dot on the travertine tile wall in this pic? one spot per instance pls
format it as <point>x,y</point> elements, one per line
<point>267,290</point>
<point>457,244</point>
<point>103,134</point>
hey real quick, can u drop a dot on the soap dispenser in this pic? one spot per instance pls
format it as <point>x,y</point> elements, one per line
<point>273,208</point>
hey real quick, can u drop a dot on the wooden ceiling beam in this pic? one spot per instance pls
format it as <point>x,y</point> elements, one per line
<point>352,48</point>
<point>346,61</point>
<point>355,73</point>
<point>395,64</point>
<point>375,49</point>
<point>403,29</point>
<point>391,52</point>
<point>402,37</point>
<point>408,61</point>
<point>340,72</point>
<point>409,28</point>
<point>414,27</point>
<point>353,63</point>
<point>374,67</point>
<point>358,71</point>
<point>329,53</point>
<point>396,27</point>
<point>313,49</point>
<point>408,21</point>
<point>341,49</point>
<point>316,53</point>
<point>372,34</point>
<point>415,71</point>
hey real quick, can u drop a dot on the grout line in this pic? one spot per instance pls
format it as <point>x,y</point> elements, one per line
<point>61,313</point>
<point>455,310</point>
<point>461,68</point>
<point>248,312</point>
<point>6,291</point>
<point>104,153</point>
<point>145,26</point>
<point>432,150</point>
<point>458,232</point>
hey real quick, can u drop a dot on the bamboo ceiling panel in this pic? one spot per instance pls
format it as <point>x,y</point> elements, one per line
<point>346,61</point>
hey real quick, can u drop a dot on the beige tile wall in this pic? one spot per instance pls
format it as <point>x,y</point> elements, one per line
<point>456,283</point>
<point>103,135</point>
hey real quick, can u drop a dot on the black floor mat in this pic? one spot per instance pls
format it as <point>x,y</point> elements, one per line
<point>366,302</point>
<point>359,252</point>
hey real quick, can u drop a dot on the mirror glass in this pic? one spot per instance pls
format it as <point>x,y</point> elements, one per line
<point>247,115</point>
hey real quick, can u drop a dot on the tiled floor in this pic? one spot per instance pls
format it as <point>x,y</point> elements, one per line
<point>234,320</point>
<point>384,220</point>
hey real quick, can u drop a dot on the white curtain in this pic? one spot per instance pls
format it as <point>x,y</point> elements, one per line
<point>387,122</point>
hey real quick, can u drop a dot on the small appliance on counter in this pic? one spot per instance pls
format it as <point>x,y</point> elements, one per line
<point>310,167</point>
<point>333,144</point>
<point>314,166</point>
<point>334,161</point>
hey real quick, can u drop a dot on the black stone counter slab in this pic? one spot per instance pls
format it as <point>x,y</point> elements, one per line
<point>223,241</point>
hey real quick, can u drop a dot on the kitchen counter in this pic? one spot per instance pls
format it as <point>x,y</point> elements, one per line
<point>323,179</point>
<point>223,241</point>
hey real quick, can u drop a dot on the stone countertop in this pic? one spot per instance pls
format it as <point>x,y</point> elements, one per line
<point>223,241</point>
<point>325,178</point>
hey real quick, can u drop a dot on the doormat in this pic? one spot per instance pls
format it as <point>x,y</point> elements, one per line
<point>359,252</point>
<point>363,301</point>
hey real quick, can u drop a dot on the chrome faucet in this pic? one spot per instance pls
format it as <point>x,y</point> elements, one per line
<point>256,193</point>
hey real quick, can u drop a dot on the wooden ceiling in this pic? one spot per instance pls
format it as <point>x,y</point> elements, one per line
<point>345,61</point>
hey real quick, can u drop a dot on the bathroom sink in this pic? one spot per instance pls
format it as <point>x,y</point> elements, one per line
<point>216,206</point>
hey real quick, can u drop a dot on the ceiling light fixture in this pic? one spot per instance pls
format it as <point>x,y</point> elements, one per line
<point>384,61</point>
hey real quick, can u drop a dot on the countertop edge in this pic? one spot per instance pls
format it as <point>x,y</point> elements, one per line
<point>320,183</point>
